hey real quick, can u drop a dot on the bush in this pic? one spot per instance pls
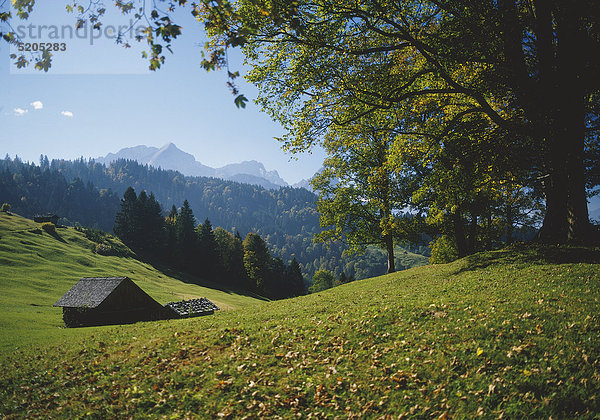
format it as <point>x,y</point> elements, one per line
<point>5,208</point>
<point>111,248</point>
<point>49,228</point>
<point>322,280</point>
<point>94,235</point>
<point>443,250</point>
<point>104,249</point>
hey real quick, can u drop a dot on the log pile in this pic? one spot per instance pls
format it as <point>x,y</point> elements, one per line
<point>192,307</point>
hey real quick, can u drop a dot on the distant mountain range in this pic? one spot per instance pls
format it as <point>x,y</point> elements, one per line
<point>171,157</point>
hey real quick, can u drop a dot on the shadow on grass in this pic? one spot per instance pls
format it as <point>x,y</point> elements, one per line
<point>529,253</point>
<point>192,279</point>
<point>56,236</point>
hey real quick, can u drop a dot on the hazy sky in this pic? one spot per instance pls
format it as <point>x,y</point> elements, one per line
<point>99,97</point>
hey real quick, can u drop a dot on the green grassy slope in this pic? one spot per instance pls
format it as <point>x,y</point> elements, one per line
<point>513,333</point>
<point>36,269</point>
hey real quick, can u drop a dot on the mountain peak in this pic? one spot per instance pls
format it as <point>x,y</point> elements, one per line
<point>171,157</point>
<point>169,145</point>
<point>171,149</point>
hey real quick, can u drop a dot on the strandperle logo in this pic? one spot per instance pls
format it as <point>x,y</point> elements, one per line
<point>33,33</point>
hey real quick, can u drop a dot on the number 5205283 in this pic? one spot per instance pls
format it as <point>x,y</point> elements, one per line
<point>42,46</point>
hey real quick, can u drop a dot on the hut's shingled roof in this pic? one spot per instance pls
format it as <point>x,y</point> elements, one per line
<point>89,292</point>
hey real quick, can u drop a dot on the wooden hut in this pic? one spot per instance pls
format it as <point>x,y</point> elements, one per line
<point>108,300</point>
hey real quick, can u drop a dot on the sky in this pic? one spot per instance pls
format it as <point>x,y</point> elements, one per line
<point>99,97</point>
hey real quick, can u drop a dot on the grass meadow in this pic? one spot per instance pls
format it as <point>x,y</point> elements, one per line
<point>513,333</point>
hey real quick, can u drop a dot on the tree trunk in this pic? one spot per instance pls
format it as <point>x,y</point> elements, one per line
<point>554,227</point>
<point>567,218</point>
<point>509,223</point>
<point>488,236</point>
<point>473,235</point>
<point>389,245</point>
<point>459,234</point>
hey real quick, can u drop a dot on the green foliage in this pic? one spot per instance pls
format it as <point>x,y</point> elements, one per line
<point>294,279</point>
<point>103,243</point>
<point>151,239</point>
<point>452,76</point>
<point>467,99</point>
<point>46,190</point>
<point>156,28</point>
<point>5,208</point>
<point>257,261</point>
<point>443,250</point>
<point>127,224</point>
<point>270,276</point>
<point>187,240</point>
<point>231,253</point>
<point>210,258</point>
<point>49,228</point>
<point>287,218</point>
<point>240,101</point>
<point>214,255</point>
<point>139,223</point>
<point>361,194</point>
<point>94,235</point>
<point>322,280</point>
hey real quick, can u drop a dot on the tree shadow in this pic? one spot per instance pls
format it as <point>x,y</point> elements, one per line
<point>56,236</point>
<point>193,279</point>
<point>532,253</point>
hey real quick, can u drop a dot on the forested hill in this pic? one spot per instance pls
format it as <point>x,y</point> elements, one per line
<point>229,204</point>
<point>89,193</point>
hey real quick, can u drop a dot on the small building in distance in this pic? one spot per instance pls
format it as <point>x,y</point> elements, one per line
<point>96,301</point>
<point>47,218</point>
<point>108,301</point>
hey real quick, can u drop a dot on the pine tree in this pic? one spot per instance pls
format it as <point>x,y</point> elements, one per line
<point>257,261</point>
<point>276,286</point>
<point>126,224</point>
<point>210,259</point>
<point>294,279</point>
<point>187,243</point>
<point>232,259</point>
<point>170,234</point>
<point>150,213</point>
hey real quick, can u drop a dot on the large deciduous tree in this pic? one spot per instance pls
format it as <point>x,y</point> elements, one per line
<point>529,67</point>
<point>361,194</point>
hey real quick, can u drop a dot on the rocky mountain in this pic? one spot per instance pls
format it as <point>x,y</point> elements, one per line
<point>304,183</point>
<point>171,157</point>
<point>252,168</point>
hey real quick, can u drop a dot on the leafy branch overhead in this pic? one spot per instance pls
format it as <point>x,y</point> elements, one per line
<point>523,72</point>
<point>159,30</point>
